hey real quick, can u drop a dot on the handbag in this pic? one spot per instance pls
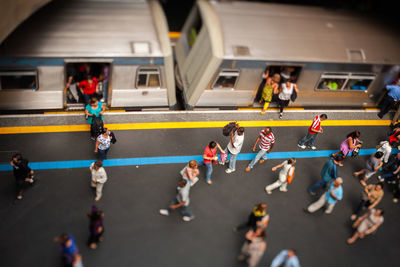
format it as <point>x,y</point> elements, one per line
<point>290,175</point>
<point>113,139</point>
<point>293,96</point>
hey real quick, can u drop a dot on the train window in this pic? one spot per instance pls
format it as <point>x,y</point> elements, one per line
<point>359,82</point>
<point>345,81</point>
<point>148,77</point>
<point>18,80</point>
<point>226,79</point>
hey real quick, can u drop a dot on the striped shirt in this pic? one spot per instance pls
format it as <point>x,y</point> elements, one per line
<point>316,125</point>
<point>266,140</point>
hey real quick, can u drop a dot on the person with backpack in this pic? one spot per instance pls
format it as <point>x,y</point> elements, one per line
<point>285,176</point>
<point>103,143</point>
<point>267,141</point>
<point>22,173</point>
<point>233,148</point>
<point>94,112</point>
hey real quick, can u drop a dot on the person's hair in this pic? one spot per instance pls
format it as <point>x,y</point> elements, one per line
<point>183,181</point>
<point>93,100</point>
<point>291,160</point>
<point>98,163</point>
<point>339,158</point>
<point>380,183</point>
<point>261,207</point>
<point>64,238</point>
<point>240,129</point>
<point>378,155</point>
<point>193,163</point>
<point>294,250</point>
<point>323,116</point>
<point>269,128</point>
<point>212,144</point>
<point>89,77</point>
<point>17,156</point>
<point>382,211</point>
<point>104,130</point>
<point>354,134</point>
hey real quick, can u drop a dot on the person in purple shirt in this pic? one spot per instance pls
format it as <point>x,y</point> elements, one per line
<point>286,258</point>
<point>390,99</point>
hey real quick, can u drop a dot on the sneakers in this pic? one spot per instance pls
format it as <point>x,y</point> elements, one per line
<point>187,218</point>
<point>229,170</point>
<point>302,147</point>
<point>268,191</point>
<point>247,169</point>
<point>282,190</point>
<point>313,147</point>
<point>261,161</point>
<point>164,212</point>
<point>280,115</point>
<point>381,179</point>
<point>19,197</point>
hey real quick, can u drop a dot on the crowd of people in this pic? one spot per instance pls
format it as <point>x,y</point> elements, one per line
<point>255,243</point>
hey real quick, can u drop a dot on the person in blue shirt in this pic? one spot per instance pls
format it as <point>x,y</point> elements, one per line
<point>286,258</point>
<point>69,250</point>
<point>328,173</point>
<point>390,99</point>
<point>330,197</point>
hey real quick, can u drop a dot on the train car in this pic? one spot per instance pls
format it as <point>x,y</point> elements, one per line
<point>123,43</point>
<point>336,58</point>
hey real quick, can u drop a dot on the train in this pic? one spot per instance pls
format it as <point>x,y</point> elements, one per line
<point>219,61</point>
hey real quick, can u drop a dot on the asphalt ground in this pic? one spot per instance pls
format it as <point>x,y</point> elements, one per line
<point>136,235</point>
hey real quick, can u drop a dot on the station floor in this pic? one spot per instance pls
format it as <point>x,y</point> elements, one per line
<point>135,233</point>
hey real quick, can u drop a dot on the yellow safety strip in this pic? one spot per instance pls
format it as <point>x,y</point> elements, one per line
<point>270,109</point>
<point>174,35</point>
<point>186,125</point>
<point>78,112</point>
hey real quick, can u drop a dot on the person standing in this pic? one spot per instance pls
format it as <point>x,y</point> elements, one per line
<point>371,196</point>
<point>328,173</point>
<point>104,80</point>
<point>234,146</point>
<point>367,224</point>
<point>99,177</point>
<point>209,157</point>
<point>181,202</point>
<point>190,172</point>
<point>94,109</point>
<point>285,95</point>
<point>312,133</point>
<point>286,174</point>
<point>22,173</point>
<point>331,197</point>
<point>286,258</point>
<point>69,250</point>
<point>96,227</point>
<point>257,218</point>
<point>103,143</point>
<point>254,247</point>
<point>372,165</point>
<point>89,88</point>
<point>390,98</point>
<point>267,141</point>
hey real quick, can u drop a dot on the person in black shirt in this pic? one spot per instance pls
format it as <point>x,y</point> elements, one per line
<point>22,173</point>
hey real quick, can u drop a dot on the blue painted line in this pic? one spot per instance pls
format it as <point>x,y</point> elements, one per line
<point>51,165</point>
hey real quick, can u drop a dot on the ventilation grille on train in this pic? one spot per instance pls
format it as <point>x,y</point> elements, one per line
<point>356,55</point>
<point>240,50</point>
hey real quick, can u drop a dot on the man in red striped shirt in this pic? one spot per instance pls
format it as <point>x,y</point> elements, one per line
<point>312,133</point>
<point>267,140</point>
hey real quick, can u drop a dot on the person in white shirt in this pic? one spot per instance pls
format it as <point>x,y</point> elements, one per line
<point>99,177</point>
<point>386,148</point>
<point>234,147</point>
<point>286,172</point>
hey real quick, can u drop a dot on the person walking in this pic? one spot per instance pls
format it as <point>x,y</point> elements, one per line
<point>390,98</point>
<point>103,143</point>
<point>285,94</point>
<point>254,247</point>
<point>312,133</point>
<point>267,141</point>
<point>371,196</point>
<point>234,146</point>
<point>286,258</point>
<point>94,109</point>
<point>69,249</point>
<point>350,144</point>
<point>257,218</point>
<point>210,157</point>
<point>372,165</point>
<point>23,174</point>
<point>367,224</point>
<point>328,173</point>
<point>386,148</point>
<point>285,176</point>
<point>89,88</point>
<point>99,177</point>
<point>181,202</point>
<point>191,172</point>
<point>271,87</point>
<point>331,197</point>
<point>96,227</point>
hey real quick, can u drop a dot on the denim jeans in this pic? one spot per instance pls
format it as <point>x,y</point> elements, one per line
<point>102,154</point>
<point>260,154</point>
<point>309,138</point>
<point>183,209</point>
<point>320,184</point>
<point>232,160</point>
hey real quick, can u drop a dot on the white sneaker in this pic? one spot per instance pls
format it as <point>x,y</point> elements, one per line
<point>268,191</point>
<point>187,218</point>
<point>164,212</point>
<point>381,179</point>
<point>313,147</point>
<point>229,171</point>
<point>282,190</point>
<point>302,147</point>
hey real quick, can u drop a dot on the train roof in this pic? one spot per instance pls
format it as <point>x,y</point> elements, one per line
<point>90,28</point>
<point>279,32</point>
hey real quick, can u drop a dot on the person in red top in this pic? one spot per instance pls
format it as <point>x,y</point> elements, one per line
<point>88,88</point>
<point>210,155</point>
<point>266,141</point>
<point>312,133</point>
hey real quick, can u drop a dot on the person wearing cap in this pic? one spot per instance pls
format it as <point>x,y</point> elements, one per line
<point>331,197</point>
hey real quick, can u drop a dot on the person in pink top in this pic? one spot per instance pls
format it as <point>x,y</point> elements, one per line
<point>266,141</point>
<point>347,146</point>
<point>190,172</point>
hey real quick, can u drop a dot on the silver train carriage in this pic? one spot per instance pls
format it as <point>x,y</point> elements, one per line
<point>127,38</point>
<point>336,58</point>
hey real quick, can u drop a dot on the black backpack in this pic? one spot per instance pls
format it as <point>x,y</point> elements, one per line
<point>97,126</point>
<point>229,128</point>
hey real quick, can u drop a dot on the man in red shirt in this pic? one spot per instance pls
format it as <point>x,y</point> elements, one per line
<point>312,133</point>
<point>267,141</point>
<point>88,88</point>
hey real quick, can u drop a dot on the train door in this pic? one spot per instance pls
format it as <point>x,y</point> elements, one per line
<point>285,73</point>
<point>84,80</point>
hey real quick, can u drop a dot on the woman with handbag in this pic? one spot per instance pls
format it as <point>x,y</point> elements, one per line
<point>285,176</point>
<point>103,143</point>
<point>94,109</point>
<point>367,224</point>
<point>287,90</point>
<point>351,143</point>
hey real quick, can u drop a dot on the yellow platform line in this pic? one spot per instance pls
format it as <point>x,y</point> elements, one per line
<point>186,125</point>
<point>270,109</point>
<point>78,112</point>
<point>174,35</point>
